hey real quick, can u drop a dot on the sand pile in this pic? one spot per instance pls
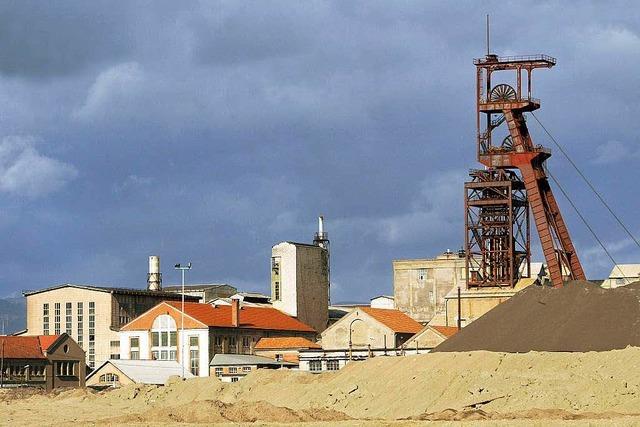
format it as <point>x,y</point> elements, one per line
<point>578,317</point>
<point>215,411</point>
<point>439,386</point>
<point>401,387</point>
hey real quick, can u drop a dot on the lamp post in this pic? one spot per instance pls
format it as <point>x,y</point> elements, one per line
<point>182,269</point>
<point>350,342</point>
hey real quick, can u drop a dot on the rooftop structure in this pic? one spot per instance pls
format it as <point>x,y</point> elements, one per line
<point>622,275</point>
<point>232,367</point>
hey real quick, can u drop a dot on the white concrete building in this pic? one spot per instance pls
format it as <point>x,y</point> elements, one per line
<point>622,275</point>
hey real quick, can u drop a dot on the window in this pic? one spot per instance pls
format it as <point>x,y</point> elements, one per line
<point>134,348</point>
<point>619,282</point>
<point>246,341</point>
<point>194,357</point>
<point>92,334</point>
<point>164,338</point>
<point>68,320</point>
<point>234,379</point>
<point>333,365</point>
<point>56,319</point>
<point>65,369</point>
<point>246,369</point>
<point>315,365</point>
<point>233,370</point>
<point>109,378</point>
<point>422,274</point>
<point>45,319</point>
<point>218,340</point>
<point>275,278</point>
<point>279,357</point>
<point>218,372</point>
<point>80,315</point>
<point>92,353</point>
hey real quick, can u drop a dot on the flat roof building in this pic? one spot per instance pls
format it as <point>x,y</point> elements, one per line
<point>229,368</point>
<point>420,285</point>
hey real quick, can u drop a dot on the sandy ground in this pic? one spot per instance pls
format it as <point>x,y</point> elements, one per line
<point>477,388</point>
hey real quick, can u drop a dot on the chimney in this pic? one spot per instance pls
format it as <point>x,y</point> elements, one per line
<point>235,312</point>
<point>154,278</point>
<point>321,238</point>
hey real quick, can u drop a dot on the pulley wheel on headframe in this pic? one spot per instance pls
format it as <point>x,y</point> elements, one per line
<point>503,92</point>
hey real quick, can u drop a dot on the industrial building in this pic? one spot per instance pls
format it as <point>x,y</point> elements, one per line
<point>92,315</point>
<point>300,279</point>
<point>420,285</point>
<point>622,275</point>
<point>47,361</point>
<point>193,336</point>
<point>430,336</point>
<point>118,373</point>
<point>366,327</point>
<point>229,368</point>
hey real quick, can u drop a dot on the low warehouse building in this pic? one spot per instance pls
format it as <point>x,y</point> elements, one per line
<point>116,373</point>
<point>231,367</point>
<point>284,348</point>
<point>51,361</point>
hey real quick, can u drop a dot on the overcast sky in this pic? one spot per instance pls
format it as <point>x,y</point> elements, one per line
<point>210,131</point>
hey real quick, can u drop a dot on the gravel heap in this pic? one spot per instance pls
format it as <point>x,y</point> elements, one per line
<point>579,317</point>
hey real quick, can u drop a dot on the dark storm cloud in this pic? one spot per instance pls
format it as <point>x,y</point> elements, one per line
<point>209,131</point>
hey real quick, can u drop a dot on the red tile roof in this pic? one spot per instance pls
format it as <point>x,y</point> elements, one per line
<point>285,343</point>
<point>250,317</point>
<point>26,347</point>
<point>47,341</point>
<point>447,331</point>
<point>394,319</point>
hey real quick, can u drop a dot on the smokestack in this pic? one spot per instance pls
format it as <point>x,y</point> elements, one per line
<point>154,278</point>
<point>321,238</point>
<point>235,312</point>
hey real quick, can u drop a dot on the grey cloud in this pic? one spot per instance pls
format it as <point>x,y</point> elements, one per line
<point>25,172</point>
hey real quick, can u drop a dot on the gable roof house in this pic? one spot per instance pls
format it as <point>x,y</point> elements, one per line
<point>430,336</point>
<point>117,373</point>
<point>49,361</point>
<point>209,329</point>
<point>365,327</point>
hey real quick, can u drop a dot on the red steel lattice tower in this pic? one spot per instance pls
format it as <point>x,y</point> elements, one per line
<point>499,104</point>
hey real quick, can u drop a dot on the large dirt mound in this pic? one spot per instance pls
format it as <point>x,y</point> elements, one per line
<point>578,317</point>
<point>215,411</point>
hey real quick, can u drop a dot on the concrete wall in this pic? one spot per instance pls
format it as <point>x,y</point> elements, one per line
<point>304,283</point>
<point>364,332</point>
<point>423,297</point>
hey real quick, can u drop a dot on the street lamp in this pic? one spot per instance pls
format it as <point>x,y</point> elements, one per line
<point>182,269</point>
<point>350,342</point>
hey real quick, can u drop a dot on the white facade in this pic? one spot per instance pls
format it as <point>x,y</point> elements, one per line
<point>383,301</point>
<point>145,347</point>
<point>622,275</point>
<point>285,298</point>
